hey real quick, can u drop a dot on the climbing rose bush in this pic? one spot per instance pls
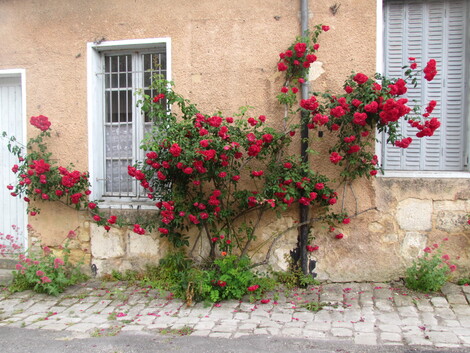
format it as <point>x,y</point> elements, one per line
<point>211,170</point>
<point>40,178</point>
<point>208,170</point>
<point>365,106</point>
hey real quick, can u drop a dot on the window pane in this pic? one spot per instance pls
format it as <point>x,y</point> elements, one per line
<point>118,106</point>
<point>119,141</point>
<point>154,63</point>
<point>118,71</point>
<point>117,179</point>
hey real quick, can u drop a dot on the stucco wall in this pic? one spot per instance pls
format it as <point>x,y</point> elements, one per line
<point>224,56</point>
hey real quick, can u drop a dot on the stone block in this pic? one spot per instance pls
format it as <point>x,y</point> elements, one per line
<point>143,245</point>
<point>365,338</point>
<point>415,214</point>
<point>440,302</point>
<point>389,328</point>
<point>451,288</point>
<point>443,337</point>
<point>341,332</point>
<point>451,221</point>
<point>457,299</point>
<point>413,244</point>
<point>390,336</point>
<point>105,245</point>
<point>457,205</point>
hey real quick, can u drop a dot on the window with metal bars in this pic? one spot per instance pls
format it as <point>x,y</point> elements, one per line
<point>124,124</point>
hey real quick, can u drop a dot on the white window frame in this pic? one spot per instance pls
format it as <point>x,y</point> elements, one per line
<point>95,98</point>
<point>5,73</point>
<point>378,146</point>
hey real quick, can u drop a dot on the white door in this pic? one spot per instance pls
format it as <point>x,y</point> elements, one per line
<point>12,209</point>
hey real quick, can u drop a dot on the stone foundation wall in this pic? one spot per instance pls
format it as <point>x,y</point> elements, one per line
<point>406,215</point>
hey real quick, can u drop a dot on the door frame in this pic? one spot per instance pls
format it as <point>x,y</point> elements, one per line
<point>20,73</point>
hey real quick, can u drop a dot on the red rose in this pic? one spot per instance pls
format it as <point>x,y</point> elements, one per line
<point>360,78</point>
<point>267,138</point>
<point>158,97</point>
<point>161,176</point>
<point>335,158</point>
<point>175,150</point>
<point>354,149</point>
<point>339,236</point>
<point>430,70</point>
<point>325,28</point>
<point>204,143</point>
<point>193,219</point>
<point>311,248</point>
<point>360,119</point>
<point>335,127</point>
<point>356,102</point>
<point>253,150</point>
<point>281,66</point>
<point>252,121</point>
<point>138,229</point>
<point>337,111</point>
<point>41,122</point>
<point>373,107</point>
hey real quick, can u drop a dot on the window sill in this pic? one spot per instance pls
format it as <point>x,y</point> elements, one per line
<point>425,174</point>
<point>127,204</point>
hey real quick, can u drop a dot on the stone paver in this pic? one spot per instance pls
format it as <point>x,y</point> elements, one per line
<point>362,313</point>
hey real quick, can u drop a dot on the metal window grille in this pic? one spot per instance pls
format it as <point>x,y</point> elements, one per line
<point>124,123</point>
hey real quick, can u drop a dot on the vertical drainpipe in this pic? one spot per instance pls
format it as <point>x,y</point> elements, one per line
<point>300,255</point>
<point>304,210</point>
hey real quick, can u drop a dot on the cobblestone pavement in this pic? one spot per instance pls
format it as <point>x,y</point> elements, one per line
<point>362,313</point>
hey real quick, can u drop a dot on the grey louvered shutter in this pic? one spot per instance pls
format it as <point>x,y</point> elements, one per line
<point>429,29</point>
<point>454,88</point>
